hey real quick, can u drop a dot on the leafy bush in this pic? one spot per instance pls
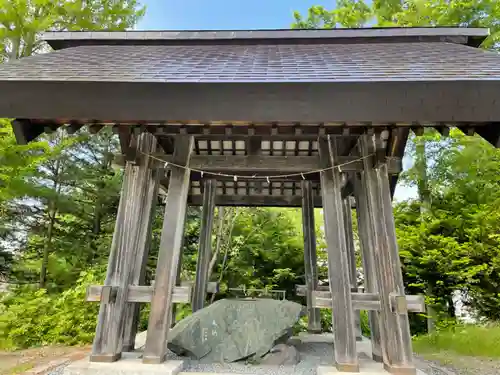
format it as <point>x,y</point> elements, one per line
<point>30,317</point>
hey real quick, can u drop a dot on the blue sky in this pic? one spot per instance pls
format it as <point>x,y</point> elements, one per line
<point>231,15</point>
<point>224,14</point>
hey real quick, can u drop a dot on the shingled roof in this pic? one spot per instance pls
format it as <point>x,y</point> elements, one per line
<point>259,63</point>
<point>352,76</point>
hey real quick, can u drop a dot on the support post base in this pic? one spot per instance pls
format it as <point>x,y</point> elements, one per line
<point>396,370</point>
<point>314,331</point>
<point>154,360</point>
<point>129,364</point>
<point>128,348</point>
<point>347,367</point>
<point>106,358</point>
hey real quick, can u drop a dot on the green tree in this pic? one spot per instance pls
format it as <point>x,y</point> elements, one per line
<point>21,21</point>
<point>32,190</point>
<point>447,237</point>
<point>359,13</point>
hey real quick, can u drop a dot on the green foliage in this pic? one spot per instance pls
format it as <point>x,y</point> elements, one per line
<point>464,340</point>
<point>32,317</point>
<point>23,20</point>
<point>365,324</point>
<point>447,237</point>
<point>386,13</point>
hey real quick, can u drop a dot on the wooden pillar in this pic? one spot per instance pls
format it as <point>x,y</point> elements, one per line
<point>338,264</point>
<point>142,248</point>
<point>310,258</point>
<point>178,279</point>
<point>169,253</point>
<point>205,245</point>
<point>129,249</point>
<point>351,257</point>
<point>395,330</point>
<point>365,234</point>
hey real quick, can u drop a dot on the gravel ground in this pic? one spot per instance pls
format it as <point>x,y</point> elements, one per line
<point>321,354</point>
<point>449,364</point>
<point>57,371</point>
<point>312,355</point>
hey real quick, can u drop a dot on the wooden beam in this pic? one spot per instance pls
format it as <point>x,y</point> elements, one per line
<point>26,131</point>
<point>95,128</point>
<point>365,234</point>
<point>253,148</point>
<point>490,132</point>
<point>255,200</point>
<point>177,281</point>
<point>310,257</point>
<point>170,251</point>
<point>125,137</point>
<point>279,132</point>
<point>346,358</point>
<point>371,301</point>
<point>142,245</point>
<point>135,200</point>
<point>212,286</point>
<point>396,144</point>
<point>73,127</point>
<point>254,164</point>
<point>301,290</point>
<point>351,259</point>
<point>140,294</point>
<point>205,245</point>
<point>395,330</point>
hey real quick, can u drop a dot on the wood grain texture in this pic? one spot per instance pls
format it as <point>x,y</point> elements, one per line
<point>140,294</point>
<point>141,246</point>
<point>239,164</point>
<point>135,202</point>
<point>366,234</point>
<point>205,245</point>
<point>395,331</point>
<point>169,253</point>
<point>338,264</point>
<point>310,256</point>
<point>351,258</point>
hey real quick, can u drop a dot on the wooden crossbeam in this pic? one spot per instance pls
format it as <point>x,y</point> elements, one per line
<point>371,301</point>
<point>136,293</point>
<point>143,293</point>
<point>301,290</point>
<point>254,200</point>
<point>238,164</point>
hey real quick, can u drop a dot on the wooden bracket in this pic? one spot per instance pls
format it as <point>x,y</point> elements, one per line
<point>418,130</point>
<point>73,127</point>
<point>399,305</point>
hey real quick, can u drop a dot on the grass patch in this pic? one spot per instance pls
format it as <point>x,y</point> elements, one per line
<point>19,369</point>
<point>466,340</point>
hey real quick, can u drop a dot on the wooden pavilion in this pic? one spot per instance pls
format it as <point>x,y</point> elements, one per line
<point>293,118</point>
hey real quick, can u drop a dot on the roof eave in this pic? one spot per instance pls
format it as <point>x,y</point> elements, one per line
<point>469,36</point>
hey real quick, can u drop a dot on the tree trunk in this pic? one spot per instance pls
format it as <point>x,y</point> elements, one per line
<point>16,45</point>
<point>52,218</point>
<point>424,193</point>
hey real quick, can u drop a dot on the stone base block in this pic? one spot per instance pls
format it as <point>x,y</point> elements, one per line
<point>127,365</point>
<point>365,368</point>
